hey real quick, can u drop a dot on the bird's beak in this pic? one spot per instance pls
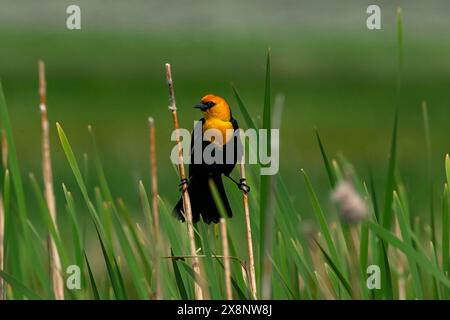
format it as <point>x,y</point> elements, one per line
<point>201,106</point>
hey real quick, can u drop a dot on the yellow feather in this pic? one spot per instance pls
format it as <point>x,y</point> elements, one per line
<point>218,117</point>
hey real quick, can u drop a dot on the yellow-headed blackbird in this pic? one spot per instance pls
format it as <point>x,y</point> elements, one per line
<point>216,115</point>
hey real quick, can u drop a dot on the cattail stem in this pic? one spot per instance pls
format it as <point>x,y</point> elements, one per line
<point>154,184</point>
<point>55,263</point>
<point>251,259</point>
<point>184,192</point>
<point>226,261</point>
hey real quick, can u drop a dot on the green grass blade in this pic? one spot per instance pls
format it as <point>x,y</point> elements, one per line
<point>106,218</point>
<point>240,293</point>
<point>244,111</point>
<point>426,126</point>
<point>336,270</point>
<point>382,252</point>
<point>236,271</point>
<point>222,212</point>
<point>374,199</point>
<point>113,271</point>
<point>447,168</point>
<point>364,251</point>
<point>75,228</point>
<point>176,239</point>
<point>100,172</point>
<point>405,231</point>
<point>267,114</point>
<point>178,278</point>
<point>195,277</point>
<point>284,282</point>
<point>264,179</point>
<point>19,286</point>
<point>6,191</point>
<point>86,168</point>
<point>399,50</point>
<point>436,288</point>
<point>126,215</point>
<point>331,176</point>
<point>304,267</point>
<point>445,223</point>
<point>321,219</point>
<point>363,257</point>
<point>77,173</point>
<point>137,276</point>
<point>111,263</point>
<point>390,181</point>
<point>92,279</point>
<point>208,263</point>
<point>409,252</point>
<point>145,205</point>
<point>445,232</point>
<point>13,163</point>
<point>217,199</point>
<point>45,213</point>
<point>18,188</point>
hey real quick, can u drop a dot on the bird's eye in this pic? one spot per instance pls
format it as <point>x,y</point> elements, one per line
<point>210,104</point>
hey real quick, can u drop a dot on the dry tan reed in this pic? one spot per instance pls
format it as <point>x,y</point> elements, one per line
<point>54,259</point>
<point>251,259</point>
<point>226,260</point>
<point>186,200</point>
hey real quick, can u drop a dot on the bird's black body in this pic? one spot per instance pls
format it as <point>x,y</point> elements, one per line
<point>202,201</point>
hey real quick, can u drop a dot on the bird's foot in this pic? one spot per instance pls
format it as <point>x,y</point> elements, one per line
<point>243,186</point>
<point>184,183</point>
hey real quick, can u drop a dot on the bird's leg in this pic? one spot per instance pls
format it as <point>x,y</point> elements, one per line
<point>241,184</point>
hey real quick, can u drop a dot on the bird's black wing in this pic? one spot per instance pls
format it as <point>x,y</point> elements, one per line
<point>234,123</point>
<point>236,148</point>
<point>196,138</point>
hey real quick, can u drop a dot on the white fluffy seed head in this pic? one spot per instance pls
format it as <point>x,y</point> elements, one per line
<point>352,208</point>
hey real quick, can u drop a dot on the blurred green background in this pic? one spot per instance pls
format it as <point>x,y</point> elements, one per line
<point>336,75</point>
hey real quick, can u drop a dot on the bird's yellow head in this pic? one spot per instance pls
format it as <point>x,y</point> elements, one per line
<point>214,107</point>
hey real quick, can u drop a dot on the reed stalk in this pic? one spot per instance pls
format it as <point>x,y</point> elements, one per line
<point>226,261</point>
<point>154,186</point>
<point>184,191</point>
<point>54,259</point>
<point>251,258</point>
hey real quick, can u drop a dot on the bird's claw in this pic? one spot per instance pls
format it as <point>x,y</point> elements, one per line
<point>243,186</point>
<point>183,182</point>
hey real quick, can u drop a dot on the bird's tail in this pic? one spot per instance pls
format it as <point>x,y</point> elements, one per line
<point>202,201</point>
